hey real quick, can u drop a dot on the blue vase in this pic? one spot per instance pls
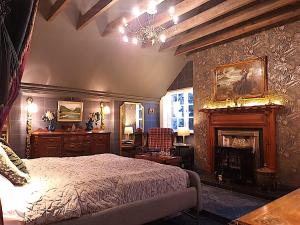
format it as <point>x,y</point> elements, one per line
<point>89,126</point>
<point>51,126</point>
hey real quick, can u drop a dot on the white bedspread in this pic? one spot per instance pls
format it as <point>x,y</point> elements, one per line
<point>64,188</point>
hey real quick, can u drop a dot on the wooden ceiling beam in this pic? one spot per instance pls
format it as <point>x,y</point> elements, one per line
<point>142,5</point>
<point>212,13</point>
<point>180,9</point>
<point>100,7</point>
<point>263,23</point>
<point>56,8</point>
<point>234,19</point>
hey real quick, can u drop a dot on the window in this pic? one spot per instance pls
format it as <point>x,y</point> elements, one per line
<point>178,109</point>
<point>139,116</point>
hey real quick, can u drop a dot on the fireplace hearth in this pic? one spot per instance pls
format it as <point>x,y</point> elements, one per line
<point>241,140</point>
<point>238,153</point>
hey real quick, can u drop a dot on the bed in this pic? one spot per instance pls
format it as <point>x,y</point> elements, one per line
<point>100,189</point>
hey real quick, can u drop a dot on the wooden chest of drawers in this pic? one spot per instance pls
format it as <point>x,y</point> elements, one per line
<point>64,144</point>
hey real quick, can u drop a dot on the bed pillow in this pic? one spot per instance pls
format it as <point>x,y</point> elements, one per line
<point>2,140</point>
<point>10,171</point>
<point>14,158</point>
<point>10,202</point>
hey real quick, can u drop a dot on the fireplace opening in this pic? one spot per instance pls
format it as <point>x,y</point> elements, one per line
<point>238,153</point>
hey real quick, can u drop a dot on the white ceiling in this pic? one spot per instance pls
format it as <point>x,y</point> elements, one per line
<point>60,55</point>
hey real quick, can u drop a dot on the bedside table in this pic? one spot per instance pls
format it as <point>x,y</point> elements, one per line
<point>128,150</point>
<point>186,152</point>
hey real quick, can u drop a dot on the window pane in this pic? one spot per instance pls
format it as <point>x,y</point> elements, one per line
<point>174,123</point>
<point>191,123</point>
<point>180,122</point>
<point>190,98</point>
<point>181,111</point>
<point>140,114</point>
<point>191,110</point>
<point>140,124</point>
<point>174,111</point>
<point>174,98</point>
<point>181,98</point>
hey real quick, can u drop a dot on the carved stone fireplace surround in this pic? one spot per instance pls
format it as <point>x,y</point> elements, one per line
<point>253,117</point>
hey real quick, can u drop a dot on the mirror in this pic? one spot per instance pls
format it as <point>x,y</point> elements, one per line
<point>131,120</point>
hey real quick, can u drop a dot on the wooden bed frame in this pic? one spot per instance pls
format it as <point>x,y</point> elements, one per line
<point>140,212</point>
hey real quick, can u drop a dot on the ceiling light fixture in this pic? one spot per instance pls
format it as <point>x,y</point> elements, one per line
<point>146,32</point>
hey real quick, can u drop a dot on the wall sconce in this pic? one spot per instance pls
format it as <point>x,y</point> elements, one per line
<point>31,108</point>
<point>106,109</point>
<point>103,110</point>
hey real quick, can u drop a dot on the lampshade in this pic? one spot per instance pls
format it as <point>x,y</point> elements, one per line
<point>106,109</point>
<point>128,130</point>
<point>31,107</point>
<point>183,131</point>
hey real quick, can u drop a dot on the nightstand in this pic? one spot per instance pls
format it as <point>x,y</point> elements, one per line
<point>128,150</point>
<point>186,152</point>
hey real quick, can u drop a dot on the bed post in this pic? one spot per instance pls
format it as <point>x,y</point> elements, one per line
<point>1,214</point>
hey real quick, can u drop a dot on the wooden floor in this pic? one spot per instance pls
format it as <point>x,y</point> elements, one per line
<point>283,211</point>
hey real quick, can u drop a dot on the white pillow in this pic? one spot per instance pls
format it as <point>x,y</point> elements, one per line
<point>9,201</point>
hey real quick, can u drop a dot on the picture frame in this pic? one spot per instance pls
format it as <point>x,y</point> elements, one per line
<point>69,111</point>
<point>244,79</point>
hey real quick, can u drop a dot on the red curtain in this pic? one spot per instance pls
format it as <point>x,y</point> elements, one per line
<point>10,75</point>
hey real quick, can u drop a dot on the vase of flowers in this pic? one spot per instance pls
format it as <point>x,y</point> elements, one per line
<point>49,118</point>
<point>93,118</point>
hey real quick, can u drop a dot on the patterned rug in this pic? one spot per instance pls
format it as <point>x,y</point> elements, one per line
<point>183,219</point>
<point>220,207</point>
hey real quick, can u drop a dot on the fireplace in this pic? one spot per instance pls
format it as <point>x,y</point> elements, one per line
<point>238,153</point>
<point>252,129</point>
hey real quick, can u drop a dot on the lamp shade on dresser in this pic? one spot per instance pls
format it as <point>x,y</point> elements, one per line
<point>68,144</point>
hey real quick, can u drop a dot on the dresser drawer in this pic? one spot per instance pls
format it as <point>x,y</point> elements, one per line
<point>49,139</point>
<point>77,138</point>
<point>77,146</point>
<point>101,137</point>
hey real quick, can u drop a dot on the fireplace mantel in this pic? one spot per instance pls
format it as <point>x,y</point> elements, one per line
<point>252,117</point>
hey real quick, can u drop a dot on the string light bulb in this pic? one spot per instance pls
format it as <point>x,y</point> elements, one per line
<point>172,10</point>
<point>134,41</point>
<point>125,39</point>
<point>175,19</point>
<point>163,38</point>
<point>136,11</point>
<point>152,7</point>
<point>121,29</point>
<point>124,20</point>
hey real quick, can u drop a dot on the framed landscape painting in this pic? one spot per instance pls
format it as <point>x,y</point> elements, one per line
<point>69,111</point>
<point>245,79</point>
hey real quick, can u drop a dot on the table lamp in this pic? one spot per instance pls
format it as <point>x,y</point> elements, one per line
<point>128,131</point>
<point>183,131</point>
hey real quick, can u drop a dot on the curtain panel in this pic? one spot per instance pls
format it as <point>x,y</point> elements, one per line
<point>16,25</point>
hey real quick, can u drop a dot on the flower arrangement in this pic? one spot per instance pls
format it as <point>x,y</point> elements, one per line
<point>49,118</point>
<point>93,118</point>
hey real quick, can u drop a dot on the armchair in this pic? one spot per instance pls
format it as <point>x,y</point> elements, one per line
<point>160,140</point>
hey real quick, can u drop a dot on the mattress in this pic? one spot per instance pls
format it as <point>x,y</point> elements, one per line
<point>65,188</point>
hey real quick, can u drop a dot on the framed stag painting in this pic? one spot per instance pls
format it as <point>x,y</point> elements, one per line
<point>246,79</point>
